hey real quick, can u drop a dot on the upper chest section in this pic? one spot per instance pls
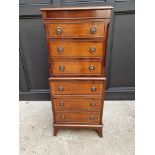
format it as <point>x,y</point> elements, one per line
<point>82,22</point>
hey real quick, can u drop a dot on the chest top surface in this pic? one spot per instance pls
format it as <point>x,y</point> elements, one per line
<point>78,8</point>
<point>98,12</point>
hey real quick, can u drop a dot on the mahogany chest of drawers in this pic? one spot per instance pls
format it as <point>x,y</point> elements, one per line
<point>77,40</point>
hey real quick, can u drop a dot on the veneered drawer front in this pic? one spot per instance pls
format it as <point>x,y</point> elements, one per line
<point>78,117</point>
<point>74,87</point>
<point>76,49</point>
<point>77,103</point>
<point>76,30</point>
<point>76,67</point>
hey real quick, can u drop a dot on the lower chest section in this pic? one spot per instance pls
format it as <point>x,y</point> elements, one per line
<point>77,101</point>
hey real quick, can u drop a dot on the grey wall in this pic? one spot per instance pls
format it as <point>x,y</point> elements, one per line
<point>120,61</point>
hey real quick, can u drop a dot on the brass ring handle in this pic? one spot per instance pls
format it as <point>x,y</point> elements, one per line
<point>92,50</point>
<point>62,116</point>
<point>91,68</point>
<point>60,50</point>
<point>93,30</point>
<point>92,104</point>
<point>61,68</point>
<point>61,104</point>
<point>60,88</point>
<point>92,117</point>
<point>93,89</point>
<point>58,30</point>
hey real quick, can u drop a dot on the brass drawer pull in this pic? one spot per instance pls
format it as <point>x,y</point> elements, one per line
<point>60,88</point>
<point>92,117</point>
<point>58,30</point>
<point>93,30</point>
<point>62,116</point>
<point>92,104</point>
<point>60,50</point>
<point>92,50</point>
<point>61,104</point>
<point>61,68</point>
<point>93,89</point>
<point>91,68</point>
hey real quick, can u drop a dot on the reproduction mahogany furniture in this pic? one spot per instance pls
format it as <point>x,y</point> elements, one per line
<point>77,40</point>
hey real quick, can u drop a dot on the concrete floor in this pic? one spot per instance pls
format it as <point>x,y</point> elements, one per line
<point>36,132</point>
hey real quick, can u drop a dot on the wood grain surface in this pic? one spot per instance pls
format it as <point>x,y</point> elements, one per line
<point>76,49</point>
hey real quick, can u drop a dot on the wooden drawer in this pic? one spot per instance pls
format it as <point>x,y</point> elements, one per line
<point>78,117</point>
<point>71,67</point>
<point>76,30</point>
<point>76,87</point>
<point>77,103</point>
<point>76,49</point>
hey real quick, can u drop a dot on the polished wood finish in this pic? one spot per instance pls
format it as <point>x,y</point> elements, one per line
<point>76,67</point>
<point>76,49</point>
<point>76,30</point>
<point>76,12</point>
<point>77,40</point>
<point>77,78</point>
<point>76,87</point>
<point>77,117</point>
<point>77,8</point>
<point>58,126</point>
<point>77,103</point>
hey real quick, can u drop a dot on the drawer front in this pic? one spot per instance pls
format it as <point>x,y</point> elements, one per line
<point>78,117</point>
<point>70,67</point>
<point>75,30</point>
<point>76,49</point>
<point>77,103</point>
<point>77,87</point>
